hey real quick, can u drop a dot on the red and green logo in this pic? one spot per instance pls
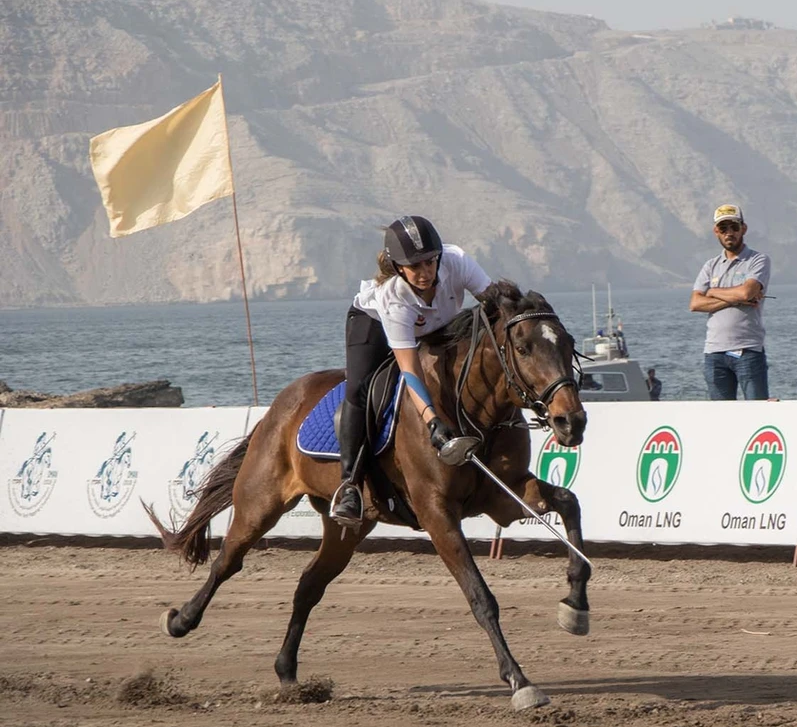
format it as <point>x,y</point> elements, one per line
<point>557,464</point>
<point>659,464</point>
<point>763,464</point>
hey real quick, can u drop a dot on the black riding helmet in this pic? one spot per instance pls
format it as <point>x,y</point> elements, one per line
<point>411,240</point>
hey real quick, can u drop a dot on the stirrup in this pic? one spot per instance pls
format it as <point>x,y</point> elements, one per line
<point>343,520</point>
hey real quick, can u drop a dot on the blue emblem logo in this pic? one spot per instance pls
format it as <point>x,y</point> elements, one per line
<point>183,489</point>
<point>111,488</point>
<point>35,480</point>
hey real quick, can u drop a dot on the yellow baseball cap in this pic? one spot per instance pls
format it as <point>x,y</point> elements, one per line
<point>728,212</point>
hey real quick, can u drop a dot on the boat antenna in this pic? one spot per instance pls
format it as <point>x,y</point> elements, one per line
<point>594,314</point>
<point>610,315</point>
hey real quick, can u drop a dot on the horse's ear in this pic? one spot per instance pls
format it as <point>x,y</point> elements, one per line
<point>510,296</point>
<point>539,300</point>
<point>507,303</point>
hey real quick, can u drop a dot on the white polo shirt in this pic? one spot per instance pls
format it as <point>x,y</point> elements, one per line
<point>404,315</point>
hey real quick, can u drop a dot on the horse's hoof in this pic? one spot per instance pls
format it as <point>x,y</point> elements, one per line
<point>167,616</point>
<point>530,696</point>
<point>572,619</point>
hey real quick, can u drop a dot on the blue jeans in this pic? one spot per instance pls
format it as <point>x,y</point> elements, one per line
<point>724,372</point>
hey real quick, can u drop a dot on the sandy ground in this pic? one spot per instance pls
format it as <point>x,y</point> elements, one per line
<point>679,637</point>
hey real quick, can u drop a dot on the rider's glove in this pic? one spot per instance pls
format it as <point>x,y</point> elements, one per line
<point>440,432</point>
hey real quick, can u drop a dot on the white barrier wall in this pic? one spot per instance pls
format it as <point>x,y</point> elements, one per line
<point>85,471</point>
<point>648,472</point>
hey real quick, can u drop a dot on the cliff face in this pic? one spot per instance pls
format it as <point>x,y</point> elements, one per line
<point>557,151</point>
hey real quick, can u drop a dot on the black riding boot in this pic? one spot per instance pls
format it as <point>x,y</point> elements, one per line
<point>349,508</point>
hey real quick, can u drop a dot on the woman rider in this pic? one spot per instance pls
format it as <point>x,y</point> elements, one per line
<point>420,287</point>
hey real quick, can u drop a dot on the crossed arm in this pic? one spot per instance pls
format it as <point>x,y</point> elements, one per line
<point>714,299</point>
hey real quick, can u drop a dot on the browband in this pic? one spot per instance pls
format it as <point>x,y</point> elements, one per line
<point>529,316</point>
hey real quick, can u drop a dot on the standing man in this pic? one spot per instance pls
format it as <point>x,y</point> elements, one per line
<point>654,385</point>
<point>731,288</point>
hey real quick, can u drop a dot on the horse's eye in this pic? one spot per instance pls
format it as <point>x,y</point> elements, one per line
<point>521,350</point>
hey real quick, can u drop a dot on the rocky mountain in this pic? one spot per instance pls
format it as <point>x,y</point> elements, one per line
<point>556,150</point>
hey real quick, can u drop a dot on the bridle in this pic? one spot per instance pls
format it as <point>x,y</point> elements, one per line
<point>538,403</point>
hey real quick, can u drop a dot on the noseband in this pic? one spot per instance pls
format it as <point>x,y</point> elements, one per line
<point>514,379</point>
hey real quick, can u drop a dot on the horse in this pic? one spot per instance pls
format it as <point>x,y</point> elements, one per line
<point>509,352</point>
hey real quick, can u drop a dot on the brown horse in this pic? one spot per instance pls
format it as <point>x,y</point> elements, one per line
<point>509,352</point>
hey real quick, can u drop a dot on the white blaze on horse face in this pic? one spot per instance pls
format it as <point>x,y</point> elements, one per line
<point>549,334</point>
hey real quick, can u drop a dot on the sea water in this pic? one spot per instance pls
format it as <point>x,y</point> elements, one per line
<point>204,349</point>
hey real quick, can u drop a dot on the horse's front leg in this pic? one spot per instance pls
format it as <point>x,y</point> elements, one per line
<point>542,497</point>
<point>446,534</point>
<point>573,613</point>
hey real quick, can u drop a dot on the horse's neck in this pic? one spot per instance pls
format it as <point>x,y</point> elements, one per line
<point>485,395</point>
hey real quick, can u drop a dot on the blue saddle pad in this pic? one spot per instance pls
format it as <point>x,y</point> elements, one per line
<point>317,436</point>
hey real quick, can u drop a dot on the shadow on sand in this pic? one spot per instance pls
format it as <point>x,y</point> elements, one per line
<point>717,689</point>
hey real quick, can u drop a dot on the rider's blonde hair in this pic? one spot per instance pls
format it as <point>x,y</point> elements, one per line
<point>385,267</point>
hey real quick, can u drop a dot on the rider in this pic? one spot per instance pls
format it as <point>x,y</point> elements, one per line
<point>419,288</point>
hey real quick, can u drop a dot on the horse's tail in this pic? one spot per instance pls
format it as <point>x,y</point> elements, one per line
<point>192,540</point>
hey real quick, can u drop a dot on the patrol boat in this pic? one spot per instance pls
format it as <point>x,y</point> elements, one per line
<point>611,375</point>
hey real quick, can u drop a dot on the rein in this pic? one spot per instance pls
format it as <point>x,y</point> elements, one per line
<point>536,403</point>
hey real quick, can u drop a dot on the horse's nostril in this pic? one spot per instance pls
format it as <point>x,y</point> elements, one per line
<point>562,423</point>
<point>578,422</point>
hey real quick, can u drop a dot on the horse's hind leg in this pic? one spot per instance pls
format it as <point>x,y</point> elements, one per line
<point>327,564</point>
<point>246,529</point>
<point>446,534</point>
<point>573,613</point>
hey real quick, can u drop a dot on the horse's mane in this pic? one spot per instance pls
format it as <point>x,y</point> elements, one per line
<point>503,295</point>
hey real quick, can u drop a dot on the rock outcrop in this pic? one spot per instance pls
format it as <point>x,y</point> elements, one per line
<point>151,393</point>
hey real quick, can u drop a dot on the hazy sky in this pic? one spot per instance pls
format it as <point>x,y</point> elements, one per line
<point>645,15</point>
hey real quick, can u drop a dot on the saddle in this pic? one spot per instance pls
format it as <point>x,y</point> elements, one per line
<point>318,436</point>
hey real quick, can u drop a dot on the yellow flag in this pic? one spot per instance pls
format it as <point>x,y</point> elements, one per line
<point>163,170</point>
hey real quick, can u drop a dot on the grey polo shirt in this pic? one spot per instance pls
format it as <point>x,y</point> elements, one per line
<point>738,326</point>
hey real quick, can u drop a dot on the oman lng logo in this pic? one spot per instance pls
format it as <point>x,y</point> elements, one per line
<point>659,464</point>
<point>557,464</point>
<point>763,464</point>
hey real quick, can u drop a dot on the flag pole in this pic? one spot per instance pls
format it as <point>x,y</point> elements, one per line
<point>240,253</point>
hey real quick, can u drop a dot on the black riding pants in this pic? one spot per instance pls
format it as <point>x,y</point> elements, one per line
<point>366,349</point>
